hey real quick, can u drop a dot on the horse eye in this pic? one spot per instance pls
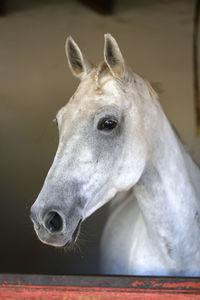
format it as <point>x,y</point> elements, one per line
<point>107,124</point>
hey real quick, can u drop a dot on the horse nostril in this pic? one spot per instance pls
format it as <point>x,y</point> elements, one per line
<point>53,222</point>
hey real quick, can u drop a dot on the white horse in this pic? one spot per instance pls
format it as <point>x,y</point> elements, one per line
<point>115,140</point>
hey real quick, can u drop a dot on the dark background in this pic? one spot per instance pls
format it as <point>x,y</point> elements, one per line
<point>155,38</point>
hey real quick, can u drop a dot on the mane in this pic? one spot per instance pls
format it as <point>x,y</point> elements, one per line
<point>102,69</point>
<point>152,91</point>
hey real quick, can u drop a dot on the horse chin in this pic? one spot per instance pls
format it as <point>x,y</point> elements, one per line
<point>74,236</point>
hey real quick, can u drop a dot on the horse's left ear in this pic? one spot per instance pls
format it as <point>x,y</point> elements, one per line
<point>78,63</point>
<point>113,57</point>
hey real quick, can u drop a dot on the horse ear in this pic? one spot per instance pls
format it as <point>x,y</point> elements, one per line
<point>78,63</point>
<point>113,57</point>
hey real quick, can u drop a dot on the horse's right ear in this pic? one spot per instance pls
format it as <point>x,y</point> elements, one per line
<point>78,64</point>
<point>113,57</point>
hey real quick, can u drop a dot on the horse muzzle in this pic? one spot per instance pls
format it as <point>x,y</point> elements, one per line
<point>52,228</point>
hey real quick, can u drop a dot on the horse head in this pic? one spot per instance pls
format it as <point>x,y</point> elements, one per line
<point>103,144</point>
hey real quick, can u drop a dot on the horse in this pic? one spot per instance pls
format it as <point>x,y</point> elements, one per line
<point>115,142</point>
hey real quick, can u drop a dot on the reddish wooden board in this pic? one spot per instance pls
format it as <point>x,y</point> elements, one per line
<point>32,287</point>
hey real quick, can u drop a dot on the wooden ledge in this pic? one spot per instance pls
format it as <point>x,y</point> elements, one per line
<point>16,286</point>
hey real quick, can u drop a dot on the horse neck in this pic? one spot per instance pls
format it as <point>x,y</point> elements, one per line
<point>167,193</point>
